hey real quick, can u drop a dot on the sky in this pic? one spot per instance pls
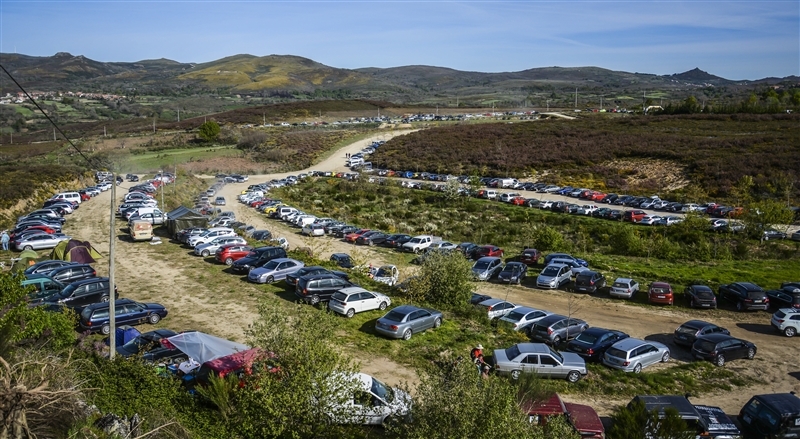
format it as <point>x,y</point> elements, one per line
<point>732,39</point>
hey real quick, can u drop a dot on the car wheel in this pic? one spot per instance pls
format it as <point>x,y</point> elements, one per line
<point>789,331</point>
<point>382,306</point>
<point>154,318</point>
<point>350,313</point>
<point>104,299</point>
<point>556,340</point>
<point>105,330</point>
<point>691,303</point>
<point>371,243</point>
<point>229,261</point>
<point>515,374</point>
<point>637,368</point>
<point>720,361</point>
<point>314,300</point>
<point>27,247</point>
<point>437,323</point>
<point>751,353</point>
<point>407,334</point>
<point>270,279</point>
<point>204,253</point>
<point>574,376</point>
<point>665,357</point>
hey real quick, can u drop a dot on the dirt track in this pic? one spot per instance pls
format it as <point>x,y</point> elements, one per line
<point>146,272</point>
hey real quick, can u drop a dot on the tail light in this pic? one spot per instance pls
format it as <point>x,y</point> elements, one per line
<point>779,320</point>
<point>394,327</point>
<point>305,291</point>
<point>625,363</point>
<point>490,308</point>
<point>591,282</point>
<point>549,331</point>
<point>590,351</point>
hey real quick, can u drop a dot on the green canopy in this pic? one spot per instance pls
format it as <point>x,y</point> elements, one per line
<point>26,259</point>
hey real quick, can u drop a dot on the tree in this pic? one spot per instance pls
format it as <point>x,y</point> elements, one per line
<point>452,189</point>
<point>445,279</point>
<point>209,131</point>
<point>762,215</point>
<point>635,422</point>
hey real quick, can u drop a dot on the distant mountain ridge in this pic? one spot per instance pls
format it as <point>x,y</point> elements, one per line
<point>265,75</point>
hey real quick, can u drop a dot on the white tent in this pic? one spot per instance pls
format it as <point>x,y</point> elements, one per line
<point>203,347</point>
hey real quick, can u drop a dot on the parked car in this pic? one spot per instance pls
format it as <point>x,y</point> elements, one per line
<point>774,415</point>
<point>351,300</point>
<point>540,359</point>
<point>788,296</point>
<point>40,241</point>
<point>786,320</point>
<point>70,273</point>
<point>719,348</point>
<point>45,267</point>
<point>632,354</point>
<point>386,274</point>
<point>258,257</point>
<point>210,248</point>
<point>371,238</point>
<point>468,249</point>
<point>549,258</point>
<point>370,402</point>
<point>554,276</point>
<point>513,272</point>
<point>583,418</point>
<point>700,296</point>
<point>702,421</point>
<point>747,296</point>
<point>230,253</point>
<point>589,281</point>
<point>79,294</point>
<point>687,333</point>
<point>313,230</point>
<point>406,320</point>
<point>291,278</point>
<point>219,201</point>
<point>149,348</point>
<point>523,317</point>
<point>95,318</point>
<point>496,308</point>
<point>397,240</point>
<point>487,267</point>
<point>530,256</point>
<point>624,287</point>
<point>592,343</point>
<point>556,328</point>
<point>318,288</point>
<point>274,270</point>
<point>660,292</point>
<point>772,234</point>
<point>343,260</point>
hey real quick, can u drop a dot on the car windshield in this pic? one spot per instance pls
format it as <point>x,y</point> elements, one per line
<point>481,265</point>
<point>556,355</point>
<point>382,391</point>
<point>67,291</point>
<point>512,352</point>
<point>660,290</point>
<point>515,316</point>
<point>550,271</point>
<point>135,344</point>
<point>620,285</point>
<point>384,272</point>
<point>395,316</point>
<point>271,265</point>
<point>340,296</point>
<point>686,330</point>
<point>619,353</point>
<point>586,338</point>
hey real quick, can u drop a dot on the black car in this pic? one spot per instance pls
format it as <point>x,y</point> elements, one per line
<point>346,230</point>
<point>592,343</point>
<point>700,296</point>
<point>44,267</point>
<point>261,235</point>
<point>342,259</point>
<point>397,240</point>
<point>95,318</point>
<point>468,249</point>
<point>775,415</point>
<point>788,296</point>
<point>258,257</point>
<point>513,272</point>
<point>746,296</point>
<point>318,288</point>
<point>589,282</point>
<point>371,238</point>
<point>79,294</point>
<point>719,348</point>
<point>149,348</point>
<point>478,298</point>
<point>70,273</point>
<point>292,278</point>
<point>687,333</point>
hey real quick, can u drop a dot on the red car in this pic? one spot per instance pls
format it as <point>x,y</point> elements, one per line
<point>85,196</point>
<point>351,237</point>
<point>634,215</point>
<point>257,203</point>
<point>661,292</point>
<point>45,229</point>
<point>229,253</point>
<point>530,256</point>
<point>518,201</point>
<point>597,196</point>
<point>488,250</point>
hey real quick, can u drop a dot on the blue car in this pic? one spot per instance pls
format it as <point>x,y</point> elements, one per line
<point>95,318</point>
<point>552,256</point>
<point>593,342</point>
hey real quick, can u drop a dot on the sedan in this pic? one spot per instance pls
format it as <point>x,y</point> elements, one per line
<point>700,296</point>
<point>687,333</point>
<point>540,359</point>
<point>274,270</point>
<point>406,320</point>
<point>349,301</point>
<point>396,240</point>
<point>371,238</point>
<point>522,317</point>
<point>632,355</point>
<point>486,268</point>
<point>208,249</point>
<point>719,348</point>
<point>513,272</point>
<point>592,343</point>
<point>40,242</point>
<point>230,253</point>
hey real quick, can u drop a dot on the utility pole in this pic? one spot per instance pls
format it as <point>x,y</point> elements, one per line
<point>576,97</point>
<point>104,130</point>
<point>112,318</point>
<point>548,105</point>
<point>54,134</point>
<point>179,114</point>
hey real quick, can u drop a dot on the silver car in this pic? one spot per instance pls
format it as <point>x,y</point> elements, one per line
<point>624,288</point>
<point>554,276</point>
<point>496,307</point>
<point>206,250</point>
<point>487,267</point>
<point>631,354</point>
<point>406,320</point>
<point>274,270</point>
<point>523,317</point>
<point>40,241</point>
<point>575,267</point>
<point>540,359</point>
<point>557,328</point>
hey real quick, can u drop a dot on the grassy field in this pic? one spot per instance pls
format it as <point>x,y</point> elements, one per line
<point>148,161</point>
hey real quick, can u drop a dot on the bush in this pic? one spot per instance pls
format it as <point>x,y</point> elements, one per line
<point>445,280</point>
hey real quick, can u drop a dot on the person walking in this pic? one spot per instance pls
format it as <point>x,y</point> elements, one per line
<point>4,239</point>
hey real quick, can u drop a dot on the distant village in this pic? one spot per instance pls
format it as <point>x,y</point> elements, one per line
<point>20,97</point>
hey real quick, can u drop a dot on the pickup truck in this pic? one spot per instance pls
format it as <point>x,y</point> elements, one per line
<point>419,243</point>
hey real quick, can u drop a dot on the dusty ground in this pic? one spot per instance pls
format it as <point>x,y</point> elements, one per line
<point>176,279</point>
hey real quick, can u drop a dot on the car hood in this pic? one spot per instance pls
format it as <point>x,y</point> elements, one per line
<point>509,274</point>
<point>249,260</point>
<point>260,271</point>
<point>545,278</point>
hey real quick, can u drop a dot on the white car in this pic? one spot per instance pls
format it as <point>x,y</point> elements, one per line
<point>587,209</point>
<point>496,308</point>
<point>361,399</point>
<point>649,220</point>
<point>624,288</point>
<point>546,204</point>
<point>349,301</point>
<point>314,230</point>
<point>209,249</point>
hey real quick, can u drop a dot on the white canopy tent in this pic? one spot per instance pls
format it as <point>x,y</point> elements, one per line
<point>203,347</point>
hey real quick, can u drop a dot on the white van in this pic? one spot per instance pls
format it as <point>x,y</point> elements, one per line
<point>68,196</point>
<point>141,231</point>
<point>355,161</point>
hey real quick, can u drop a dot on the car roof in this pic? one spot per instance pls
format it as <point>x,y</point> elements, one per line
<point>748,286</point>
<point>629,343</point>
<point>515,264</point>
<point>407,309</point>
<point>527,309</point>
<point>716,338</point>
<point>106,304</point>
<point>624,280</point>
<point>532,348</point>
<point>600,331</point>
<point>697,324</point>
<point>492,302</point>
<point>660,285</point>
<point>351,290</point>
<point>487,259</point>
<point>786,404</point>
<point>279,260</point>
<point>701,288</point>
<point>554,318</point>
<point>557,265</point>
<point>685,409</point>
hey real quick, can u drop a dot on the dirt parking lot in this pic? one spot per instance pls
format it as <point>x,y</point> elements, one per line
<point>152,273</point>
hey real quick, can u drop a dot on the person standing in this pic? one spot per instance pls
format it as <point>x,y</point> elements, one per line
<point>4,239</point>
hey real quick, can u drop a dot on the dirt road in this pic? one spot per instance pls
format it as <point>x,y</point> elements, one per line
<point>225,308</point>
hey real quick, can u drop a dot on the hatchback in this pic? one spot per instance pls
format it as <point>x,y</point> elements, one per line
<point>592,343</point>
<point>95,318</point>
<point>530,256</point>
<point>687,333</point>
<point>719,348</point>
<point>523,318</point>
<point>496,308</point>
<point>589,282</point>
<point>660,292</point>
<point>554,276</point>
<point>556,328</point>
<point>406,320</point>
<point>632,354</point>
<point>486,267</point>
<point>349,301</point>
<point>700,296</point>
<point>624,288</point>
<point>230,253</point>
<point>513,272</point>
